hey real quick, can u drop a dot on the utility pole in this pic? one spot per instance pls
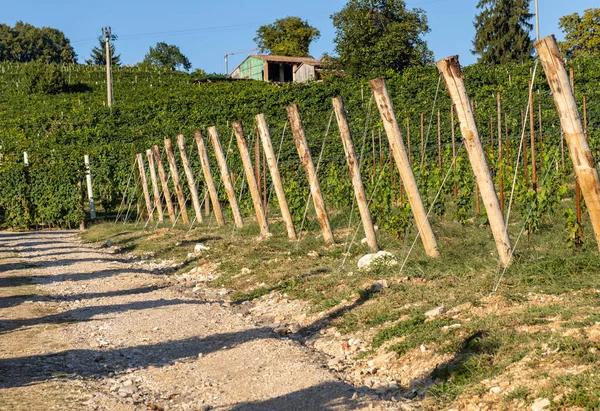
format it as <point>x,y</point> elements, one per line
<point>107,33</point>
<point>537,21</point>
<point>226,56</point>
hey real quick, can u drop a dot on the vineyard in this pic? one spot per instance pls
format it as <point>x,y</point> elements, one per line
<point>465,327</point>
<point>57,130</point>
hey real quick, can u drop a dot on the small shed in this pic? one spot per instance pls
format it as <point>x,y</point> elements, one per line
<point>280,69</point>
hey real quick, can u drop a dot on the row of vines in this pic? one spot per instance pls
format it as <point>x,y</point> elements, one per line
<point>57,130</point>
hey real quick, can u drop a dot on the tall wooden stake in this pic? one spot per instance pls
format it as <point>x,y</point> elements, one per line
<point>422,120</point>
<point>225,176</point>
<point>155,188</point>
<point>408,140</point>
<point>439,134</point>
<point>354,166</point>
<point>532,140</point>
<point>453,147</point>
<point>311,173</point>
<point>452,74</point>
<point>406,174</point>
<point>581,155</point>
<point>190,177</point>
<point>208,178</point>
<point>163,182</point>
<point>251,178</point>
<point>500,165</point>
<point>265,136</point>
<point>176,181</point>
<point>144,182</point>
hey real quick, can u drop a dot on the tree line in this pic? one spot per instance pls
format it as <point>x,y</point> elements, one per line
<point>372,38</point>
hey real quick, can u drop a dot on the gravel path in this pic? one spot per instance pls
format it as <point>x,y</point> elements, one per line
<point>81,328</point>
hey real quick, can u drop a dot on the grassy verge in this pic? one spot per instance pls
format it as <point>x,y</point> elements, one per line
<point>537,325</point>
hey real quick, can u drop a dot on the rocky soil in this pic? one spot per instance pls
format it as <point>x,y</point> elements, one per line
<point>84,328</point>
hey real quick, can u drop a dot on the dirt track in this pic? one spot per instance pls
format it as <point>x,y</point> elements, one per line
<point>81,328</point>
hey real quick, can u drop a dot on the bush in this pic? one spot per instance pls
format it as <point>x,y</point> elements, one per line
<point>44,79</point>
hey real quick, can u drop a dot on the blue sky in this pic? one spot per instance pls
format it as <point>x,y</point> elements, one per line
<point>206,30</point>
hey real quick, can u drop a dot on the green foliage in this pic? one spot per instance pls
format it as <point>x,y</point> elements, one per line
<point>98,55</point>
<point>166,56</point>
<point>44,78</point>
<point>502,31</point>
<point>25,42</point>
<point>573,227</point>
<point>376,36</point>
<point>582,37</point>
<point>289,36</point>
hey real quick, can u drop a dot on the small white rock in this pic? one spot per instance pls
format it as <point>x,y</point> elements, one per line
<point>246,270</point>
<point>200,247</point>
<point>435,312</point>
<point>367,261</point>
<point>540,404</point>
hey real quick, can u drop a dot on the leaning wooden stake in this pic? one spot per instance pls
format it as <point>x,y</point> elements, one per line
<point>190,177</point>
<point>581,155</point>
<point>176,181</point>
<point>144,182</point>
<point>251,178</point>
<point>406,174</point>
<point>452,74</point>
<point>265,136</point>
<point>354,166</point>
<point>155,189</point>
<point>163,182</point>
<point>226,177</point>
<point>212,191</point>
<point>311,173</point>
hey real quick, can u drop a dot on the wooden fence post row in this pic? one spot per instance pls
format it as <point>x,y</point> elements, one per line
<point>311,173</point>
<point>251,178</point>
<point>581,155</point>
<point>452,74</point>
<point>155,189</point>
<point>406,174</point>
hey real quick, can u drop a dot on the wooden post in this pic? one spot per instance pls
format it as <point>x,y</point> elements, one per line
<point>532,139</point>
<point>422,119</point>
<point>354,166</point>
<point>88,181</point>
<point>408,140</point>
<point>439,132</point>
<point>207,203</point>
<point>176,181</point>
<point>453,147</point>
<point>208,178</point>
<point>524,150</point>
<point>452,74</point>
<point>163,182</point>
<point>257,164</point>
<point>225,176</point>
<point>380,152</point>
<point>540,125</point>
<point>140,161</point>
<point>155,189</point>
<point>265,136</point>
<point>581,155</point>
<point>251,178</point>
<point>500,165</point>
<point>190,177</point>
<point>311,173</point>
<point>406,174</point>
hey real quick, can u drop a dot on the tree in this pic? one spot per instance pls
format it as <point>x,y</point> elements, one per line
<point>582,33</point>
<point>502,31</point>
<point>290,36</point>
<point>25,42</point>
<point>375,36</point>
<point>44,78</point>
<point>98,56</point>
<point>167,56</point>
